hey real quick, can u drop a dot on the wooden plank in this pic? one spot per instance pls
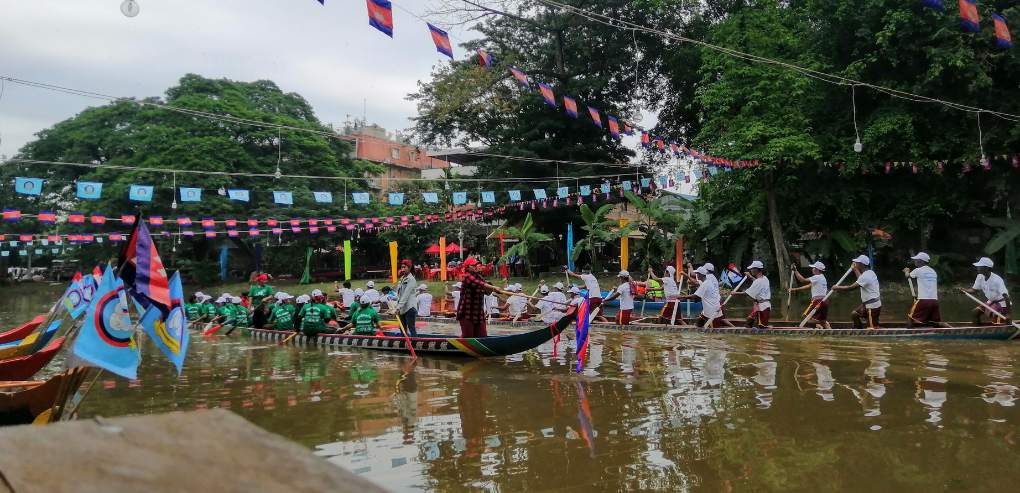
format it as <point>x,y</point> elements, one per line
<point>212,450</point>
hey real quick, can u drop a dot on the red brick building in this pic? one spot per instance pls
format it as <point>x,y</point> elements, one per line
<point>400,158</point>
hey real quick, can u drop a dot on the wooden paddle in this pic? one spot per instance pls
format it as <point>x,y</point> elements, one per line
<point>288,338</point>
<point>737,288</point>
<point>676,303</point>
<point>826,298</point>
<point>789,294</point>
<point>996,312</point>
<point>407,338</point>
<point>910,282</point>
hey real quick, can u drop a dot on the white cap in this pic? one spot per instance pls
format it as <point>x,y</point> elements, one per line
<point>670,269</point>
<point>574,290</point>
<point>756,264</point>
<point>235,299</point>
<point>457,285</point>
<point>370,284</point>
<point>862,259</point>
<point>701,270</point>
<point>221,299</point>
<point>303,298</point>
<point>365,300</point>
<point>227,295</point>
<point>280,296</point>
<point>422,287</point>
<point>199,294</point>
<point>623,273</point>
<point>316,292</point>
<point>984,262</point>
<point>923,257</point>
<point>818,265</point>
<point>558,286</point>
<point>543,289</point>
<point>518,286</point>
<point>708,267</point>
<point>359,292</point>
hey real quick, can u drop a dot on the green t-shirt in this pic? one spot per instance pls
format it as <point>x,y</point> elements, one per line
<point>193,310</point>
<point>208,309</point>
<point>256,293</point>
<point>283,316</point>
<point>365,321</point>
<point>241,316</point>
<point>227,312</point>
<point>314,317</point>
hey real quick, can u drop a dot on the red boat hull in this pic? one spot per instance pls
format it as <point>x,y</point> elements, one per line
<point>22,331</point>
<point>24,367</point>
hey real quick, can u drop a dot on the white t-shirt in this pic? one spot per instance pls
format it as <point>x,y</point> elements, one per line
<point>993,287</point>
<point>516,304</point>
<point>456,299</point>
<point>347,296</point>
<point>576,301</point>
<point>669,288</point>
<point>372,296</point>
<point>626,297</point>
<point>761,292</point>
<point>869,289</point>
<point>708,291</point>
<point>551,312</point>
<point>491,304</point>
<point>592,285</point>
<point>927,283</point>
<point>819,286</point>
<point>424,304</point>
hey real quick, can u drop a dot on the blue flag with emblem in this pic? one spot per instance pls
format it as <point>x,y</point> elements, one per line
<point>515,195</point>
<point>238,195</point>
<point>323,197</point>
<point>540,194</point>
<point>140,193</point>
<point>489,197</point>
<point>396,198</point>
<point>360,197</point>
<point>28,186</point>
<point>191,194</point>
<point>430,197</point>
<point>170,331</point>
<point>107,338</point>
<point>89,190</point>
<point>459,198</point>
<point>74,299</point>
<point>284,198</point>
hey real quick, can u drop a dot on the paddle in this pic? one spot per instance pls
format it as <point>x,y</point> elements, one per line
<point>407,338</point>
<point>288,338</point>
<point>676,303</point>
<point>741,283</point>
<point>827,295</point>
<point>644,299</point>
<point>913,294</point>
<point>789,294</point>
<point>993,310</point>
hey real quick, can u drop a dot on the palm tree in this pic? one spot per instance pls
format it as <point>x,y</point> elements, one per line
<point>659,225</point>
<point>599,229</point>
<point>527,239</point>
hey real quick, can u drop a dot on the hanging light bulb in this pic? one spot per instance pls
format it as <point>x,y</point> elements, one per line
<point>278,174</point>
<point>222,191</point>
<point>858,147</point>
<point>129,8</point>
<point>173,205</point>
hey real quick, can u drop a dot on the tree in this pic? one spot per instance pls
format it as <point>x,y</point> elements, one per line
<point>660,227</point>
<point>598,229</point>
<point>527,240</point>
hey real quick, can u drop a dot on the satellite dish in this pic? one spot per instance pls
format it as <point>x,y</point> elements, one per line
<point>129,8</point>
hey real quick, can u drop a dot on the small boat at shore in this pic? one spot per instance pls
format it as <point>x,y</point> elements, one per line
<point>25,367</point>
<point>38,402</point>
<point>21,331</point>
<point>687,307</point>
<point>959,330</point>
<point>436,344</point>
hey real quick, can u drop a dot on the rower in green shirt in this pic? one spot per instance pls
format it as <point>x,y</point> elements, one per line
<point>242,318</point>
<point>258,293</point>
<point>193,308</point>
<point>224,311</point>
<point>281,315</point>
<point>366,321</point>
<point>316,315</point>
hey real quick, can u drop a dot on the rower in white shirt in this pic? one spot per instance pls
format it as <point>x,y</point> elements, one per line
<point>870,309</point>
<point>670,292</point>
<point>708,293</point>
<point>517,305</point>
<point>994,289</point>
<point>925,309</point>
<point>424,300</point>
<point>626,294</point>
<point>549,306</point>
<point>371,295</point>
<point>760,292</point>
<point>819,287</point>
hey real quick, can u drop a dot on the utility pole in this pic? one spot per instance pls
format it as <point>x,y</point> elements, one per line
<point>460,238</point>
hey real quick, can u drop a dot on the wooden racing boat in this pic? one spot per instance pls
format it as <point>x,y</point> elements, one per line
<point>38,402</point>
<point>687,307</point>
<point>30,344</point>
<point>441,344</point>
<point>21,331</point>
<point>24,367</point>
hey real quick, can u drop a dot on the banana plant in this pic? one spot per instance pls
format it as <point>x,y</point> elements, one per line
<point>527,239</point>
<point>599,229</point>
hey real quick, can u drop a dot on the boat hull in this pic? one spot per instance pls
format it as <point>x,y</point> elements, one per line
<point>24,367</point>
<point>22,331</point>
<point>480,347</point>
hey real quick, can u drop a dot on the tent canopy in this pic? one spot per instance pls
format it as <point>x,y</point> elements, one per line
<point>453,248</point>
<point>433,250</point>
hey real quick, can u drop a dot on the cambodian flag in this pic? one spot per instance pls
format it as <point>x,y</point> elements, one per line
<point>581,331</point>
<point>442,40</point>
<point>97,219</point>
<point>208,223</point>
<point>127,218</point>
<point>1002,37</point>
<point>272,222</point>
<point>614,126</point>
<point>183,221</point>
<point>210,234</point>
<point>645,139</point>
<point>107,334</point>
<point>231,223</point>
<point>484,58</point>
<point>142,270</point>
<point>596,117</point>
<point>970,20</point>
<point>253,223</point>
<point>156,220</point>
<point>380,16</point>
<point>76,218</point>
<point>571,105</point>
<point>520,76</point>
<point>547,94</point>
<point>47,217</point>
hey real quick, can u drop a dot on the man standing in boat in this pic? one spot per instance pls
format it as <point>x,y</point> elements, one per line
<point>925,309</point>
<point>670,292</point>
<point>819,288</point>
<point>870,309</point>
<point>471,308</point>
<point>591,283</point>
<point>625,291</point>
<point>994,289</point>
<point>760,292</point>
<point>407,302</point>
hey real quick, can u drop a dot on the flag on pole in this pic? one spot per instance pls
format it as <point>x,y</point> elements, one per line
<point>547,94</point>
<point>581,330</point>
<point>1002,36</point>
<point>347,260</point>
<point>484,58</point>
<point>107,334</point>
<point>142,270</point>
<point>570,246</point>
<point>571,106</point>
<point>934,4</point>
<point>596,118</point>
<point>380,16</point>
<point>169,331</point>
<point>614,126</point>
<point>28,186</point>
<point>520,76</point>
<point>73,300</point>
<point>393,261</point>
<point>442,40</point>
<point>970,20</point>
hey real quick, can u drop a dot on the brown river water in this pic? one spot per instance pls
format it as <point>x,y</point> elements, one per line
<point>652,411</point>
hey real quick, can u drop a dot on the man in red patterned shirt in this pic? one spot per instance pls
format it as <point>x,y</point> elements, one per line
<point>471,309</point>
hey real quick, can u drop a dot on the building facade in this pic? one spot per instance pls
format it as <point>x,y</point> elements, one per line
<point>400,158</point>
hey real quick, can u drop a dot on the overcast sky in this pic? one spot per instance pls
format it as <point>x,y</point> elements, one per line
<point>329,54</point>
